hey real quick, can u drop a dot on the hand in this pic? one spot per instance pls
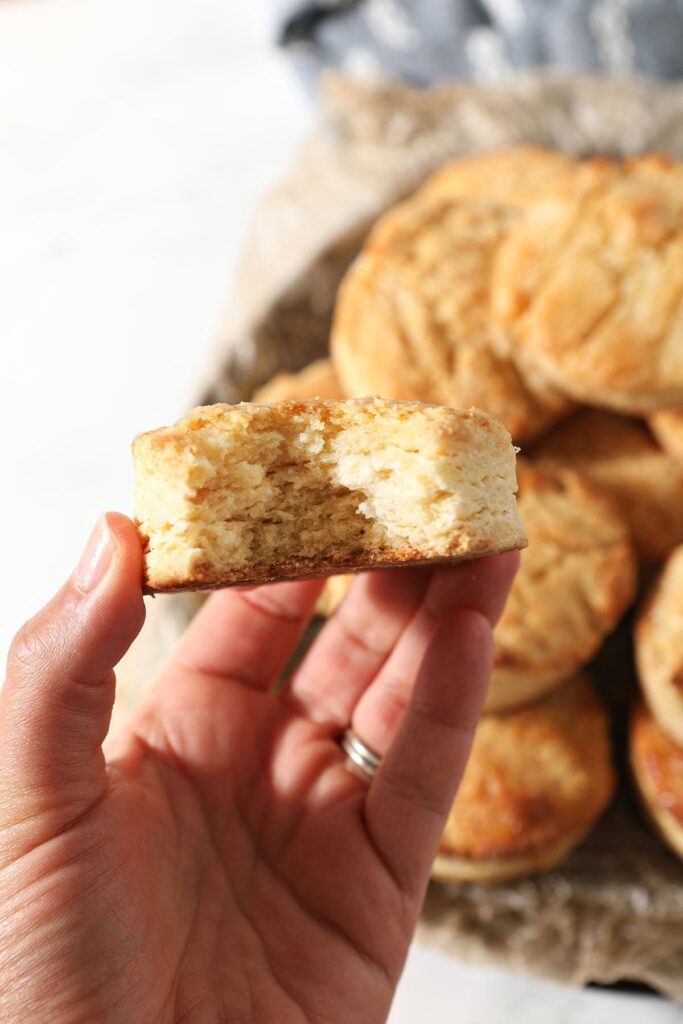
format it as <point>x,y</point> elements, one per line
<point>222,863</point>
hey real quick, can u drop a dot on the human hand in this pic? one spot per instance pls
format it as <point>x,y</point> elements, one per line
<point>222,863</point>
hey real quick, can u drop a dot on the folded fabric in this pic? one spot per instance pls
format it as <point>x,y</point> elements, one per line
<point>425,40</point>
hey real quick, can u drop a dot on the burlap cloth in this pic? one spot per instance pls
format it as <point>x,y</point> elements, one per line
<point>614,910</point>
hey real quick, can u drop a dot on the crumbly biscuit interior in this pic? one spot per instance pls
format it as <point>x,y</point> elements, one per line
<point>252,489</point>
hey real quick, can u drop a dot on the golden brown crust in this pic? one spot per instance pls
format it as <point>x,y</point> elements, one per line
<point>412,319</point>
<point>576,578</point>
<point>512,175</point>
<point>536,782</point>
<point>220,414</point>
<point>657,769</point>
<point>659,647</point>
<point>589,285</point>
<point>317,380</point>
<point>621,456</point>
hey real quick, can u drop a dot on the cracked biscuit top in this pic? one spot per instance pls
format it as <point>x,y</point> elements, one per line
<point>412,315</point>
<point>588,286</point>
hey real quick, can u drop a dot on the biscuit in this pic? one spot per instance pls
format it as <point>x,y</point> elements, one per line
<point>512,175</point>
<point>659,647</point>
<point>621,456</point>
<point>657,771</point>
<point>536,782</point>
<point>251,493</point>
<point>588,286</point>
<point>317,380</point>
<point>412,315</point>
<point>576,578</point>
<point>667,426</point>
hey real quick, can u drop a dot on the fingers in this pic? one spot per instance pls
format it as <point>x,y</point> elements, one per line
<point>247,635</point>
<point>421,710</point>
<point>56,704</point>
<point>410,797</point>
<point>359,638</point>
<point>482,586</point>
<point>355,642</point>
<point>482,583</point>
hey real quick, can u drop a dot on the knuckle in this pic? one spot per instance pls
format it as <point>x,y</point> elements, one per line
<point>272,607</point>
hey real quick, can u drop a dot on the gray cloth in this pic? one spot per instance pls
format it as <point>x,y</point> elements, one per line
<point>423,41</point>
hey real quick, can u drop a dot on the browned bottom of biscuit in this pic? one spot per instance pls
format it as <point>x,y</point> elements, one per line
<point>447,868</point>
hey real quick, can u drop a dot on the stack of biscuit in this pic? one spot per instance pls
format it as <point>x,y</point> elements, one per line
<point>549,293</point>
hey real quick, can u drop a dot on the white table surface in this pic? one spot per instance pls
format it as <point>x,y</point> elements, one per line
<point>134,137</point>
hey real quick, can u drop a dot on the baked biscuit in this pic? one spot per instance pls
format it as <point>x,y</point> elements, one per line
<point>412,315</point>
<point>536,782</point>
<point>513,175</point>
<point>667,426</point>
<point>621,456</point>
<point>251,493</point>
<point>659,647</point>
<point>317,380</point>
<point>588,287</point>
<point>575,580</point>
<point>657,770</point>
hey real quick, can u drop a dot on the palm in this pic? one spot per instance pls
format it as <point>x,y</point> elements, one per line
<point>225,864</point>
<point>255,864</point>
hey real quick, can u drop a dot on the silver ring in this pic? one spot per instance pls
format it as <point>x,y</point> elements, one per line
<point>361,755</point>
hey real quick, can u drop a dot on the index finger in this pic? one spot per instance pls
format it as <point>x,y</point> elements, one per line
<point>247,635</point>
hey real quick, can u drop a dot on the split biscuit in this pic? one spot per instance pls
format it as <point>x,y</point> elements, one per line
<point>252,493</point>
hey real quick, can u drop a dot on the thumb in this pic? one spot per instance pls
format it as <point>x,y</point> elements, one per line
<point>56,703</point>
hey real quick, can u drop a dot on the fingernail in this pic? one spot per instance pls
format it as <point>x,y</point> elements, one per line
<point>94,561</point>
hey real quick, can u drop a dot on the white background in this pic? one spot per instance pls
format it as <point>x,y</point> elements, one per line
<point>135,136</point>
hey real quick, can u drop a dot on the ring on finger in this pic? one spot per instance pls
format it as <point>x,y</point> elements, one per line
<point>360,754</point>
